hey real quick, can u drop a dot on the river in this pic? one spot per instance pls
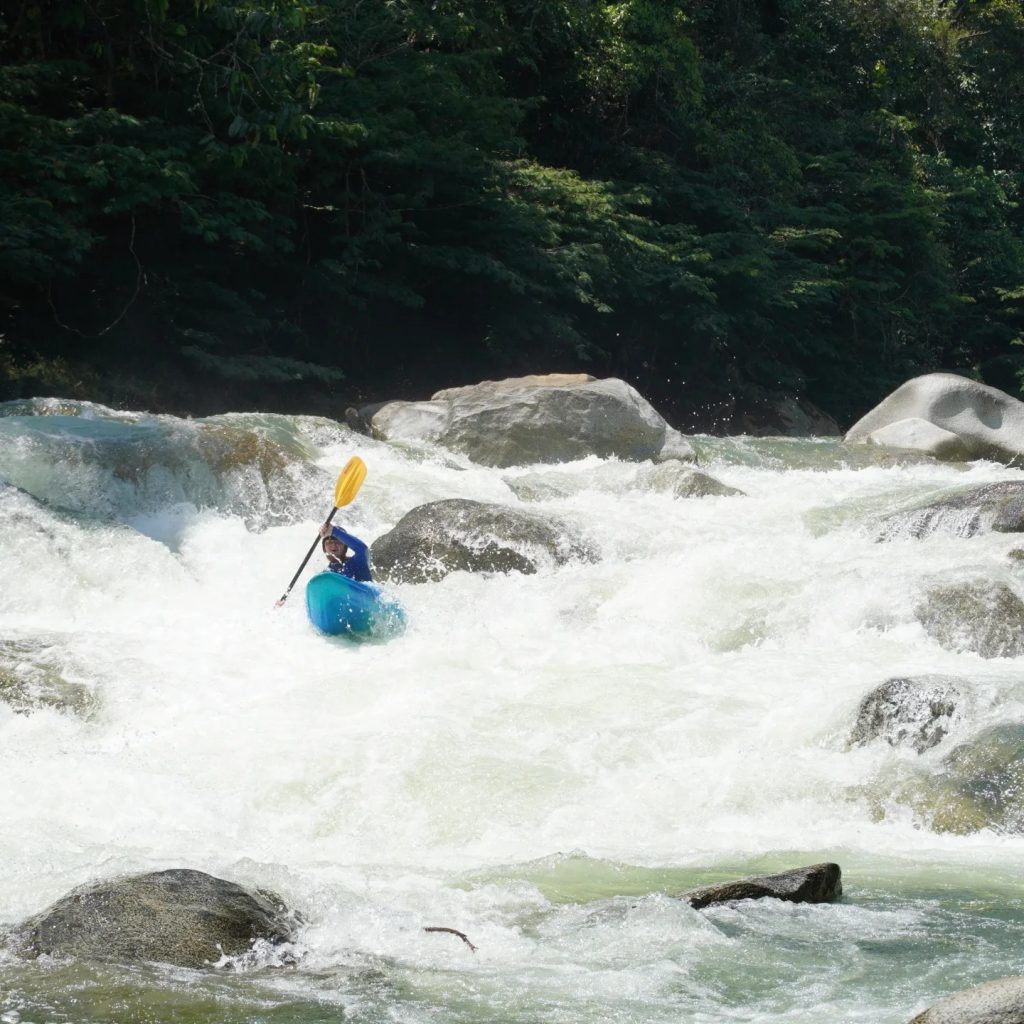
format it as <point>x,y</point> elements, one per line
<point>539,761</point>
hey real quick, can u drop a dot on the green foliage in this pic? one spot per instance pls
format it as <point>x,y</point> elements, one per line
<point>746,196</point>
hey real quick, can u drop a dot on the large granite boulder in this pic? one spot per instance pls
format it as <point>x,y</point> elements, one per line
<point>998,507</point>
<point>983,616</point>
<point>915,711</point>
<point>541,419</point>
<point>817,883</point>
<point>948,416</point>
<point>180,917</point>
<point>994,1002</point>
<point>442,537</point>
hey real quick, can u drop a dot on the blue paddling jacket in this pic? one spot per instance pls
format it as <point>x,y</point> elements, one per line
<point>357,566</point>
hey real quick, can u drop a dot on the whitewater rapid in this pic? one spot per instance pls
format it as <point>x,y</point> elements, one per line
<point>539,761</point>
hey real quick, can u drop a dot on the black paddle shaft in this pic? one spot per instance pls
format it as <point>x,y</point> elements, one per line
<point>309,555</point>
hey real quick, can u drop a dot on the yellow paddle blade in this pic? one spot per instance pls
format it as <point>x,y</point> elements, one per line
<point>349,482</point>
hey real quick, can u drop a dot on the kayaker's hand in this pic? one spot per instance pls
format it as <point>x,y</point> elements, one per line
<point>325,530</point>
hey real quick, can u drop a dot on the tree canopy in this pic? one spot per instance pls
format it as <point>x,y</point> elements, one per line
<point>718,200</point>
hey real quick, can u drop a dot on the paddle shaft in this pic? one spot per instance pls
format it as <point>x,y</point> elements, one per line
<point>309,555</point>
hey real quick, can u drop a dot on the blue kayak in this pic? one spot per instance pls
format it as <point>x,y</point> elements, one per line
<point>338,605</point>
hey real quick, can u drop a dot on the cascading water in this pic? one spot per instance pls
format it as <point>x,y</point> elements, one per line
<point>539,762</point>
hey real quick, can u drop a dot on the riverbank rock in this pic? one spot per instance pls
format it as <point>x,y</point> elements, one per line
<point>180,917</point>
<point>540,419</point>
<point>994,1002</point>
<point>442,537</point>
<point>817,883</point>
<point>916,711</point>
<point>948,416</point>
<point>784,416</point>
<point>997,507</point>
<point>982,616</point>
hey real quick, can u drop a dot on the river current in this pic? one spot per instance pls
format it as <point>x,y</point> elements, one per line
<point>538,762</point>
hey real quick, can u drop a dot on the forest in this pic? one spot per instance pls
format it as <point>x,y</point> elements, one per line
<point>295,205</point>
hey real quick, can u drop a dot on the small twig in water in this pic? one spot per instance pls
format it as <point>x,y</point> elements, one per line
<point>452,931</point>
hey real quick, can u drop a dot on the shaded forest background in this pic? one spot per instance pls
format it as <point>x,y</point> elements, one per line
<point>290,205</point>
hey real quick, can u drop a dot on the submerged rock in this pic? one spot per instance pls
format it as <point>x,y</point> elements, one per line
<point>686,483</point>
<point>28,683</point>
<point>984,617</point>
<point>541,419</point>
<point>442,537</point>
<point>816,883</point>
<point>994,1002</point>
<point>973,420</point>
<point>180,917</point>
<point>915,711</point>
<point>998,507</point>
<point>980,785</point>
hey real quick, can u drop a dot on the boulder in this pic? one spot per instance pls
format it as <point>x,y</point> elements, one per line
<point>915,711</point>
<point>784,416</point>
<point>180,917</point>
<point>540,419</point>
<point>817,883</point>
<point>994,1002</point>
<point>684,482</point>
<point>998,507</point>
<point>917,435</point>
<point>987,422</point>
<point>442,537</point>
<point>980,785</point>
<point>984,617</point>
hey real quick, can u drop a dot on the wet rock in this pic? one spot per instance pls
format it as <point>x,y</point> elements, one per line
<point>180,917</point>
<point>817,883</point>
<point>686,483</point>
<point>983,784</point>
<point>988,423</point>
<point>984,617</point>
<point>998,507</point>
<point>994,1002</point>
<point>540,419</point>
<point>446,536</point>
<point>980,785</point>
<point>915,711</point>
<point>28,683</point>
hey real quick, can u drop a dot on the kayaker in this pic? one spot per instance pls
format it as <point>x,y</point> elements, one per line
<point>337,545</point>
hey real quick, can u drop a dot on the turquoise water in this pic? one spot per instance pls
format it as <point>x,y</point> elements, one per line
<point>538,762</point>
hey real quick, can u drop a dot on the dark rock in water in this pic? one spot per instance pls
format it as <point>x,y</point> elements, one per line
<point>916,711</point>
<point>984,617</point>
<point>783,416</point>
<point>817,883</point>
<point>998,507</point>
<point>442,537</point>
<point>180,917</point>
<point>994,1002</point>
